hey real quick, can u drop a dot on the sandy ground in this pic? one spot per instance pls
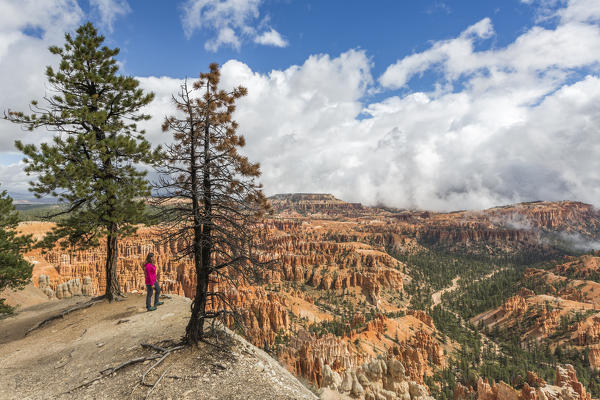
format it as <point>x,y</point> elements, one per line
<point>27,297</point>
<point>72,350</point>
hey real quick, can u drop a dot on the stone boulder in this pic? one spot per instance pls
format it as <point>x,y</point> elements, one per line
<point>88,287</point>
<point>44,285</point>
<point>69,289</point>
<point>331,379</point>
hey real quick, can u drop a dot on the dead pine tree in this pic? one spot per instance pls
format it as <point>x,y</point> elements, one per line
<point>208,193</point>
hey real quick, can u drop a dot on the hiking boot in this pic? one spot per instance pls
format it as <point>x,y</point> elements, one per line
<point>160,303</point>
<point>152,309</point>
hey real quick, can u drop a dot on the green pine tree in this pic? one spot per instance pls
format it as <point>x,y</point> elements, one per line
<point>15,271</point>
<point>91,164</point>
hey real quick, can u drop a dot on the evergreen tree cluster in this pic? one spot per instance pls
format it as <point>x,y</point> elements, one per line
<point>15,271</point>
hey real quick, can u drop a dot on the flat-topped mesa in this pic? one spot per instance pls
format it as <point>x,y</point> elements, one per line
<point>557,215</point>
<point>312,203</point>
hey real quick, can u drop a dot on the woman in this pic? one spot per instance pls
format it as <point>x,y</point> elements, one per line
<point>151,283</point>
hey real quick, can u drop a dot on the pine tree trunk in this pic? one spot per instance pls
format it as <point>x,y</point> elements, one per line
<point>113,291</point>
<point>202,238</point>
<point>194,332</point>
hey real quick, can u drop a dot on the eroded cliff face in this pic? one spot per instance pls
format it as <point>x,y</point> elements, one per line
<point>521,228</point>
<point>566,387</point>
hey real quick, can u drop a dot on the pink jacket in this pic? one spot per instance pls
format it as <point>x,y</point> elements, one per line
<point>150,274</point>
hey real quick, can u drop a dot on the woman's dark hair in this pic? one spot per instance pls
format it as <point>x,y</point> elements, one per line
<point>149,257</point>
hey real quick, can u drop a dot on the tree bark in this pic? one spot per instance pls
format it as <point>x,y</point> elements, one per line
<point>194,332</point>
<point>113,290</point>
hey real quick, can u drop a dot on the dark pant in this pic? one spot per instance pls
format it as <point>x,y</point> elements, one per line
<point>156,290</point>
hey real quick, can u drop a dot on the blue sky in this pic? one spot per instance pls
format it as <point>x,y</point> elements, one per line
<point>153,42</point>
<point>421,104</point>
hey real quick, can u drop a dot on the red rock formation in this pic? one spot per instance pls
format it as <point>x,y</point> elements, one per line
<point>566,387</point>
<point>328,267</point>
<point>547,321</point>
<point>587,332</point>
<point>485,391</point>
<point>594,356</point>
<point>307,354</point>
<point>515,305</point>
<point>422,316</point>
<point>462,392</point>
<point>567,377</point>
<point>534,380</point>
<point>416,353</point>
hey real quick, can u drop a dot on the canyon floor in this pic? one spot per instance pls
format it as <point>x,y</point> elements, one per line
<point>50,362</point>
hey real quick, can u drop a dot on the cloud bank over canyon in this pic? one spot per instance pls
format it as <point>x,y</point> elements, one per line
<point>499,124</point>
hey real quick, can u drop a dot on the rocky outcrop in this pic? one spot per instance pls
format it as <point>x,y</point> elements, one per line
<point>74,287</point>
<point>306,355</point>
<point>566,379</point>
<point>462,392</point>
<point>377,379</point>
<point>417,353</point>
<point>587,332</point>
<point>566,387</point>
<point>534,380</point>
<point>87,289</point>
<point>262,315</point>
<point>44,284</point>
<point>520,228</point>
<point>422,316</point>
<point>553,216</point>
<point>515,304</point>
<point>594,357</point>
<point>333,268</point>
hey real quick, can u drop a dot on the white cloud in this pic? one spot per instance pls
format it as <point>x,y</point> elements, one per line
<point>109,10</point>
<point>580,11</point>
<point>50,16</point>
<point>14,180</point>
<point>23,57</point>
<point>231,22</point>
<point>515,130</point>
<point>566,10</point>
<point>454,53</point>
<point>271,38</point>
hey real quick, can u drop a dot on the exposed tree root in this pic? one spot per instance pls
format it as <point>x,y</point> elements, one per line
<point>82,306</point>
<point>161,356</point>
<point>166,353</point>
<point>153,347</point>
<point>157,381</point>
<point>108,371</point>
